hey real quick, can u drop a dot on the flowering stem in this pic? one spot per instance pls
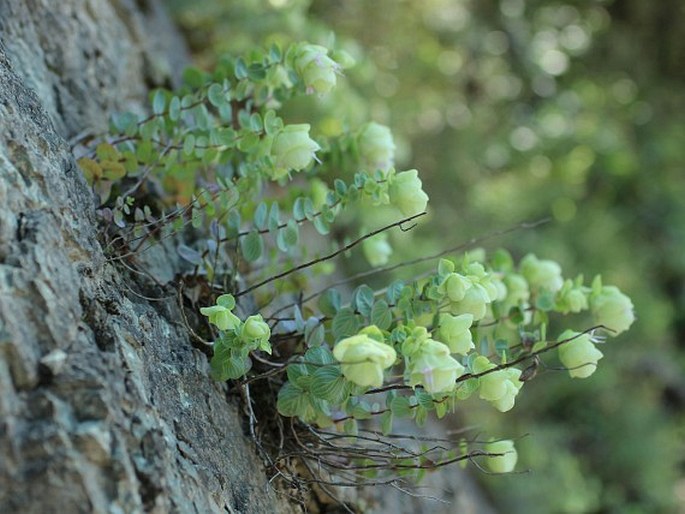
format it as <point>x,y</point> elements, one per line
<point>499,367</point>
<point>461,246</point>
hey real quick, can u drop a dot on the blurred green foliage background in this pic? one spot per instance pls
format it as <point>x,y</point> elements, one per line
<point>514,111</point>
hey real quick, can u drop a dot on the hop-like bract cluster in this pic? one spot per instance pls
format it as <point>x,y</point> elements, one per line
<point>220,314</point>
<point>432,367</point>
<point>579,355</point>
<point>541,274</point>
<point>251,334</point>
<point>504,463</point>
<point>406,193</point>
<point>376,147</point>
<point>318,71</point>
<point>454,332</point>
<point>363,359</point>
<point>501,387</point>
<point>612,309</point>
<point>256,332</point>
<point>377,250</point>
<point>292,150</point>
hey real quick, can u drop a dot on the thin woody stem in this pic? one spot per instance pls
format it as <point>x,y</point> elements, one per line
<point>384,269</point>
<point>329,256</point>
<point>499,367</point>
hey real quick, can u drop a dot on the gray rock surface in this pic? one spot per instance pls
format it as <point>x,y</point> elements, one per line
<point>105,406</point>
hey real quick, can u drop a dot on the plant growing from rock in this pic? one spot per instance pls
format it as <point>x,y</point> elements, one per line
<point>336,370</point>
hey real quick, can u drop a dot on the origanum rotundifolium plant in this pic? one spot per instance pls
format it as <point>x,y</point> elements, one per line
<point>342,366</point>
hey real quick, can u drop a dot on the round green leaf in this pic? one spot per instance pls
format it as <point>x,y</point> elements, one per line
<point>362,299</point>
<point>216,96</point>
<point>260,216</point>
<point>158,102</point>
<point>291,400</point>
<point>252,246</point>
<point>381,316</point>
<point>175,108</point>
<point>345,323</point>
<point>329,302</point>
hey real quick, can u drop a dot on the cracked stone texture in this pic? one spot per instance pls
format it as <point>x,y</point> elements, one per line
<point>105,406</point>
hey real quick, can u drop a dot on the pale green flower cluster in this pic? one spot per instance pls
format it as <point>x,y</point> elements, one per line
<point>542,275</point>
<point>518,291</point>
<point>474,302</point>
<point>364,357</point>
<point>428,362</point>
<point>611,308</point>
<point>500,388</point>
<point>405,192</point>
<point>377,250</point>
<point>429,329</point>
<point>292,150</point>
<point>256,332</point>
<point>221,314</point>
<point>253,333</point>
<point>318,71</point>
<point>504,463</point>
<point>571,298</point>
<point>442,360</point>
<point>376,147</point>
<point>473,292</point>
<point>454,332</point>
<point>579,355</point>
<point>431,366</point>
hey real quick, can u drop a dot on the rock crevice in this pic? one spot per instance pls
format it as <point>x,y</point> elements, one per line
<point>105,406</point>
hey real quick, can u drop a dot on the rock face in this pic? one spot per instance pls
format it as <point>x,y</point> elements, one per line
<point>105,406</point>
